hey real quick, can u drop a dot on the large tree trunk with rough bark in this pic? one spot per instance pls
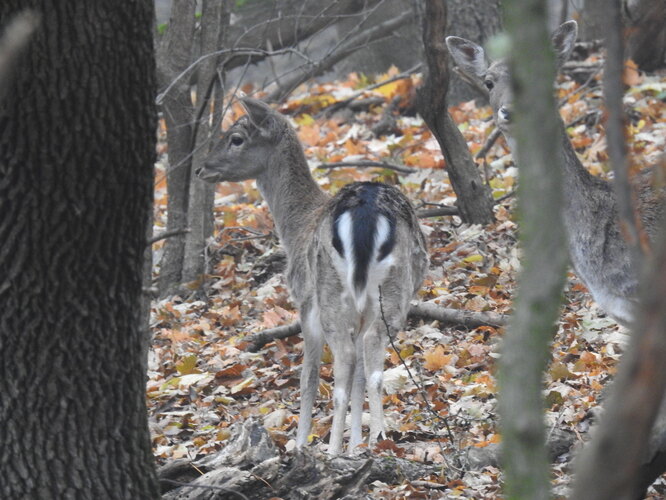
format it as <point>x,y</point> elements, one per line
<point>77,137</point>
<point>475,202</point>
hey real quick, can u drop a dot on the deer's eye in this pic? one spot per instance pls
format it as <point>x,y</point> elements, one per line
<point>237,139</point>
<point>489,84</point>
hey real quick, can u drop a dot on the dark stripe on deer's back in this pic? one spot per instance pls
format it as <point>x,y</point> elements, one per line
<point>365,201</point>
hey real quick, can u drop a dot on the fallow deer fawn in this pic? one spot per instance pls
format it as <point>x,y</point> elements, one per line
<point>598,252</point>
<point>341,252</point>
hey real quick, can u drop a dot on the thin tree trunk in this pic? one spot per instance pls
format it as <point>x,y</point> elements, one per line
<point>215,20</point>
<point>474,197</point>
<point>173,57</point>
<point>615,123</point>
<point>77,147</point>
<point>524,353</point>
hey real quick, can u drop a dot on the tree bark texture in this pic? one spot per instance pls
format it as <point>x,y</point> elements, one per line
<point>524,353</point>
<point>214,23</point>
<point>77,141</point>
<point>615,124</point>
<point>476,20</point>
<point>173,57</point>
<point>647,34</point>
<point>474,197</point>
<point>16,35</point>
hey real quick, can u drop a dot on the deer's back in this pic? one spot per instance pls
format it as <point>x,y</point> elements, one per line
<point>371,227</point>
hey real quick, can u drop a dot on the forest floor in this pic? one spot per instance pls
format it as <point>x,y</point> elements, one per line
<point>202,379</point>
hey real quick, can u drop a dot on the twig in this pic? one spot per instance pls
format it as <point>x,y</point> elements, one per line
<point>349,46</point>
<point>167,234</point>
<point>260,339</point>
<point>341,104</point>
<point>492,138</point>
<point>435,416</point>
<point>458,317</point>
<point>234,52</point>
<point>367,164</point>
<point>437,212</point>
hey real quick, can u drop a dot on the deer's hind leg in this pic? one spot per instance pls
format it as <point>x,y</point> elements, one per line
<point>312,349</point>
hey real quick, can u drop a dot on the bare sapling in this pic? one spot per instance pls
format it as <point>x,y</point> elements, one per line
<point>341,251</point>
<point>599,253</point>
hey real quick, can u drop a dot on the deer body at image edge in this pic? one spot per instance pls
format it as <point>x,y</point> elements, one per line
<point>341,252</point>
<point>599,254</point>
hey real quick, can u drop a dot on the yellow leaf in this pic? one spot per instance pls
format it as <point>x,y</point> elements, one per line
<point>187,365</point>
<point>244,384</point>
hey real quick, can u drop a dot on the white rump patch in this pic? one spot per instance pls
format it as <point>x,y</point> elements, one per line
<point>346,265</point>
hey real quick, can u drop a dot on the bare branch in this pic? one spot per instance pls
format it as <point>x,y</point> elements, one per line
<point>457,317</point>
<point>445,315</point>
<point>437,212</point>
<point>341,104</point>
<point>368,164</point>
<point>352,44</point>
<point>167,234</point>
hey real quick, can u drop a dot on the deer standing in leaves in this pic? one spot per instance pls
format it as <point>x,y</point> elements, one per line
<point>599,254</point>
<point>345,254</point>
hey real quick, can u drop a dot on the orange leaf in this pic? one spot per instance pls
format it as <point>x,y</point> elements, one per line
<point>435,359</point>
<point>631,76</point>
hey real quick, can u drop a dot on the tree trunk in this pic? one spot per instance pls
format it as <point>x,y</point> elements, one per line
<point>524,353</point>
<point>591,21</point>
<point>474,197</point>
<point>647,38</point>
<point>77,142</point>
<point>173,57</point>
<point>214,23</point>
<point>476,20</point>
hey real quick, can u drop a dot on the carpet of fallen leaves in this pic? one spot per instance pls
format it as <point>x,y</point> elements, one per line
<point>202,380</point>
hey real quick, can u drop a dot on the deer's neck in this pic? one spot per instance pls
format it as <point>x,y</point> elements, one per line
<point>580,186</point>
<point>292,194</point>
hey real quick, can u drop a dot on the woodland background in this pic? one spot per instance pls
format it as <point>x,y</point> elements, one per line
<point>365,88</point>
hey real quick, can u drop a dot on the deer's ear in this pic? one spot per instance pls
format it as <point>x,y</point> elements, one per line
<point>564,39</point>
<point>260,115</point>
<point>470,57</point>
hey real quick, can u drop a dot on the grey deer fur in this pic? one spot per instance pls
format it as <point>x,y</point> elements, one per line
<point>341,251</point>
<point>598,252</point>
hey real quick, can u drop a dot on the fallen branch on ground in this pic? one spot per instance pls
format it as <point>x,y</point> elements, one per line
<point>366,164</point>
<point>436,212</point>
<point>445,315</point>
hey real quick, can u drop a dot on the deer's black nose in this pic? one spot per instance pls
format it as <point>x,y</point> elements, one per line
<point>505,114</point>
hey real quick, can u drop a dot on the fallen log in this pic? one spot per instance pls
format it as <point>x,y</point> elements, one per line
<point>445,315</point>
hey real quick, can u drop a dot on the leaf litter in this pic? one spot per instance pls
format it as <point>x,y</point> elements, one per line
<point>201,380</point>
